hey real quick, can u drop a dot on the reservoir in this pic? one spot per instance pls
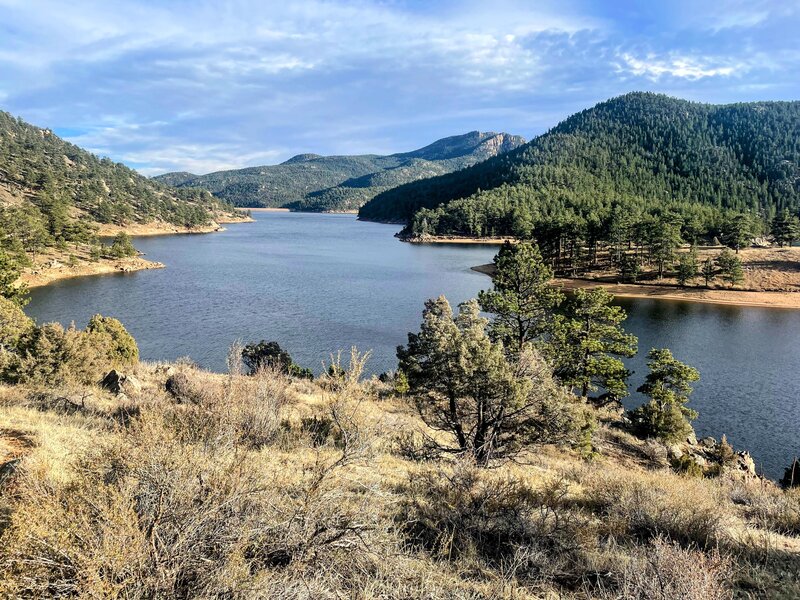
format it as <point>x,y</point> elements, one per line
<point>318,283</point>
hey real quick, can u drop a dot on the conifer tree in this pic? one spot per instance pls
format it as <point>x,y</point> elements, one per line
<point>738,231</point>
<point>785,228</point>
<point>665,416</point>
<point>9,274</point>
<point>587,342</point>
<point>523,299</point>
<point>730,267</point>
<point>463,384</point>
<point>687,267</point>
<point>708,271</point>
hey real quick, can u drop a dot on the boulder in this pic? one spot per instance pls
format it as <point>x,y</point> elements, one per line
<point>708,442</point>
<point>675,451</point>
<point>746,464</point>
<point>118,383</point>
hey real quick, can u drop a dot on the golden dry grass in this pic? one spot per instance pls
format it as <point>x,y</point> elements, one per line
<point>265,488</point>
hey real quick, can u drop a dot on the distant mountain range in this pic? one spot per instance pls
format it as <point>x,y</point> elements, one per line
<point>336,183</point>
<point>644,153</point>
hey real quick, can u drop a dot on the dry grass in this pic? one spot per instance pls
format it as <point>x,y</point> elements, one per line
<point>665,571</point>
<point>260,487</point>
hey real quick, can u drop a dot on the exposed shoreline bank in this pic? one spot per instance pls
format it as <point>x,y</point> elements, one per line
<point>282,209</point>
<point>448,239</point>
<point>745,298</point>
<point>262,209</point>
<point>55,266</point>
<point>161,228</point>
<point>47,273</point>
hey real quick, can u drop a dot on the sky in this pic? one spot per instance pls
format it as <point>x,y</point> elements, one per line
<point>204,86</point>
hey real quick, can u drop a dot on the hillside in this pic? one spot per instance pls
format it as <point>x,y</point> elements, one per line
<point>192,484</point>
<point>56,199</point>
<point>64,182</point>
<point>646,153</point>
<point>331,183</point>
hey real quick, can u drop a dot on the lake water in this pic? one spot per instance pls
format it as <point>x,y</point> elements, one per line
<point>318,283</point>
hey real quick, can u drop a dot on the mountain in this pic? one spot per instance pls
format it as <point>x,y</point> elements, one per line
<point>647,153</point>
<point>177,178</point>
<point>329,183</point>
<point>53,192</point>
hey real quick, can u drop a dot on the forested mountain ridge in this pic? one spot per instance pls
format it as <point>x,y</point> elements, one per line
<point>175,179</point>
<point>637,153</point>
<point>54,190</point>
<point>333,183</point>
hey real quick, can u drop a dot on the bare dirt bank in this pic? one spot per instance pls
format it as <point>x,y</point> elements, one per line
<point>450,239</point>
<point>767,299</point>
<point>162,228</point>
<point>280,209</point>
<point>52,269</point>
<point>708,296</point>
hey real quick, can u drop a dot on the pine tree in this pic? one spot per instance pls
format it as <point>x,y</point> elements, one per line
<point>629,268</point>
<point>463,384</point>
<point>738,231</point>
<point>122,246</point>
<point>708,271</point>
<point>785,228</point>
<point>9,274</point>
<point>665,416</point>
<point>730,267</point>
<point>664,238</point>
<point>687,267</point>
<point>523,299</point>
<point>587,341</point>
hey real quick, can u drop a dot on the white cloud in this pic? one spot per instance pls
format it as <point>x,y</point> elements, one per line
<point>682,67</point>
<point>218,81</point>
<point>199,159</point>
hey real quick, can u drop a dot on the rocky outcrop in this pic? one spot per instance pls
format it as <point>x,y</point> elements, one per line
<point>713,457</point>
<point>119,384</point>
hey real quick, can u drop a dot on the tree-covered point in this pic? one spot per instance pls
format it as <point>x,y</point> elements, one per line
<point>52,191</point>
<point>624,162</point>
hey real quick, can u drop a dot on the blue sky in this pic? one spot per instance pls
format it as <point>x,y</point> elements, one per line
<point>203,86</point>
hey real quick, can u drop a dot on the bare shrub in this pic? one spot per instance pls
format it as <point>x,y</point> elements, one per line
<point>767,506</point>
<point>341,377</point>
<point>471,513</point>
<point>648,505</point>
<point>414,445</point>
<point>245,411</point>
<point>151,517</point>
<point>170,524</point>
<point>664,571</point>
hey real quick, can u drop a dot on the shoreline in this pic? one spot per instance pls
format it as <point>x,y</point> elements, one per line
<point>262,209</point>
<point>59,271</point>
<point>159,228</point>
<point>54,267</point>
<point>744,298</point>
<point>282,209</point>
<point>447,239</point>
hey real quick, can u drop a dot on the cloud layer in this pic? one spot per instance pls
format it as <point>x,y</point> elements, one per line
<point>204,85</point>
